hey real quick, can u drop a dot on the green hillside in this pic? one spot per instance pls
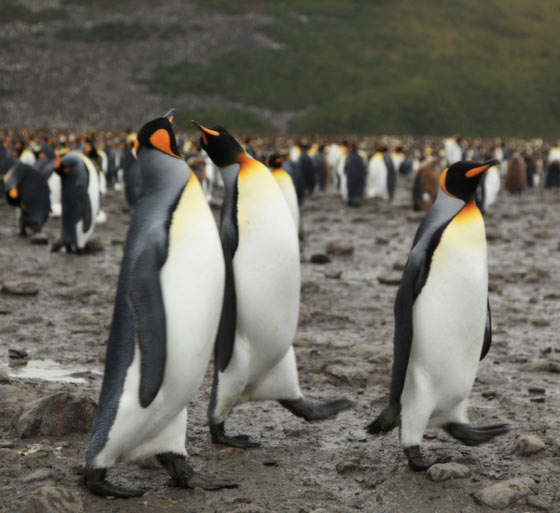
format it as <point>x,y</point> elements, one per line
<point>486,68</point>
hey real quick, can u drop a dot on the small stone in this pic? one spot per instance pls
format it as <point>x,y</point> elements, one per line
<point>271,462</point>
<point>94,246</point>
<point>528,444</point>
<point>319,258</point>
<point>339,248</point>
<point>445,471</point>
<point>399,265</point>
<point>349,466</point>
<point>381,241</point>
<point>6,444</point>
<point>248,508</point>
<point>501,495</point>
<point>348,375</point>
<point>489,394</point>
<point>39,239</point>
<point>540,322</point>
<point>538,502</point>
<point>4,378</point>
<point>537,390</point>
<point>391,278</point>
<point>56,415</point>
<point>309,287</point>
<point>538,400</point>
<point>333,274</point>
<point>77,292</point>
<point>20,288</point>
<point>17,354</point>
<point>42,474</point>
<point>53,499</point>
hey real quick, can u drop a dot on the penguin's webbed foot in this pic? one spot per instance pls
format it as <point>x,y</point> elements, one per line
<point>94,480</point>
<point>472,436</point>
<point>388,419</point>
<point>218,435</point>
<point>310,411</point>
<point>184,475</point>
<point>417,462</point>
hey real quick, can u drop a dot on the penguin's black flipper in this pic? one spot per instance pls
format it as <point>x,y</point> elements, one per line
<point>146,301</point>
<point>229,236</point>
<point>487,334</point>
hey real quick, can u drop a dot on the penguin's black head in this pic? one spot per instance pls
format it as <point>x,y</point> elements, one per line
<point>158,134</point>
<point>275,161</point>
<point>220,145</point>
<point>461,179</point>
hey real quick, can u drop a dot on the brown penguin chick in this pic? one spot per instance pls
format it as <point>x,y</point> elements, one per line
<point>426,185</point>
<point>516,175</point>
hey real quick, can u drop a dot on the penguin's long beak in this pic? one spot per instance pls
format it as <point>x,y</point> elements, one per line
<point>478,170</point>
<point>170,115</point>
<point>205,131</point>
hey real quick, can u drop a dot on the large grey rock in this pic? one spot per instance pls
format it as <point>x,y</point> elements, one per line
<point>502,495</point>
<point>56,415</point>
<point>527,444</point>
<point>53,499</point>
<point>445,471</point>
<point>39,239</point>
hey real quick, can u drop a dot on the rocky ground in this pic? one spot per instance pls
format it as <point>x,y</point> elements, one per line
<point>56,308</point>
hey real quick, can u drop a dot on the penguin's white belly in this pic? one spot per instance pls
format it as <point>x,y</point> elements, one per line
<point>491,186</point>
<point>289,192</point>
<point>55,194</point>
<point>449,317</point>
<point>267,279</point>
<point>377,179</point>
<point>93,193</point>
<point>192,284</point>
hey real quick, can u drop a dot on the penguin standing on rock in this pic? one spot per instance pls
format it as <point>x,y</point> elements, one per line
<point>442,320</point>
<point>80,201</point>
<point>254,358</point>
<point>165,320</point>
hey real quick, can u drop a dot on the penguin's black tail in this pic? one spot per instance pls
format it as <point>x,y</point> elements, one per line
<point>470,435</point>
<point>387,420</point>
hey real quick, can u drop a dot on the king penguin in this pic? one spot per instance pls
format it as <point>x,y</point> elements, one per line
<point>80,201</point>
<point>442,320</point>
<point>165,320</point>
<point>254,358</point>
<point>288,188</point>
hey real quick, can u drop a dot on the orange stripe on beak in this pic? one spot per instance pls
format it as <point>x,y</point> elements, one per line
<point>209,131</point>
<point>476,171</point>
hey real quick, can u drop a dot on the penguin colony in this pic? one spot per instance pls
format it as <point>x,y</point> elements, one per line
<point>187,289</point>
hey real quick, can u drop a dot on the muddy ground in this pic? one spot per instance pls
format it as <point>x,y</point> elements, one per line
<point>344,348</point>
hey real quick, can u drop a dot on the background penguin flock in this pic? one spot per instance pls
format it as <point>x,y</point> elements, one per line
<point>173,248</point>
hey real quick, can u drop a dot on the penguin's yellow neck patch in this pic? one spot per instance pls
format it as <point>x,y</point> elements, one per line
<point>188,206</point>
<point>469,213</point>
<point>249,166</point>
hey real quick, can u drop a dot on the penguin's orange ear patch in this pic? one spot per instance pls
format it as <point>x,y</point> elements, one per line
<point>160,139</point>
<point>13,193</point>
<point>442,181</point>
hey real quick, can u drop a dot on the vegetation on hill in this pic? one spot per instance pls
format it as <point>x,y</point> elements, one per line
<point>401,67</point>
